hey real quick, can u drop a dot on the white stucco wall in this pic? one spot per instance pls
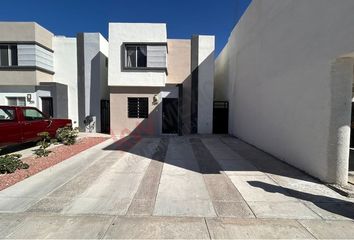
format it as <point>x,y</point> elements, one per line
<point>288,94</point>
<point>65,68</point>
<point>36,100</point>
<point>133,32</point>
<point>206,46</point>
<point>94,85</point>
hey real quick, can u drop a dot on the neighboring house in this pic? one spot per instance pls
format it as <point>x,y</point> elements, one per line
<point>287,71</point>
<point>156,85</point>
<point>27,69</point>
<point>53,73</point>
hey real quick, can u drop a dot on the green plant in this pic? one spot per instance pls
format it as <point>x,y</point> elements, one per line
<point>9,163</point>
<point>67,135</point>
<point>43,144</point>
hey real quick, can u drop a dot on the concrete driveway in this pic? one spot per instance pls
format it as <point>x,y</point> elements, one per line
<point>174,187</point>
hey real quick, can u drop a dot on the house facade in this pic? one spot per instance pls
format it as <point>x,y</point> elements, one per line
<point>150,85</point>
<point>56,74</point>
<point>159,85</point>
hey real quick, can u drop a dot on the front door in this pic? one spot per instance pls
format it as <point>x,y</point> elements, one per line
<point>47,106</point>
<point>170,115</point>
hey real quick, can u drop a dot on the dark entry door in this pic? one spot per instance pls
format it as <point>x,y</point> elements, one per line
<point>105,116</point>
<point>170,115</point>
<point>221,117</point>
<point>47,106</point>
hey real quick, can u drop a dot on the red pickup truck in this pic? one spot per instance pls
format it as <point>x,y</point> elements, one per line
<point>22,124</point>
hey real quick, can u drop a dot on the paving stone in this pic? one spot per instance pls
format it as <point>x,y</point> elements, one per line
<point>34,227</point>
<point>114,190</point>
<point>181,166</point>
<point>8,223</point>
<point>184,193</point>
<point>141,207</point>
<point>307,189</point>
<point>50,204</point>
<point>206,161</point>
<point>329,229</point>
<point>186,208</point>
<point>235,165</point>
<point>239,168</point>
<point>56,202</point>
<point>111,197</point>
<point>158,228</point>
<point>260,188</point>
<point>144,199</point>
<point>231,228</point>
<point>333,211</point>
<point>220,188</point>
<point>261,160</point>
<point>284,210</point>
<point>232,209</point>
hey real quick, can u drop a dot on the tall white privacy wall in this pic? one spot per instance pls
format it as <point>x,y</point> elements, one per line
<point>289,82</point>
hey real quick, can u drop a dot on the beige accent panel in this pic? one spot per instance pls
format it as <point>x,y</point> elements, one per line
<point>18,78</point>
<point>25,32</point>
<point>43,36</point>
<point>179,61</point>
<point>121,125</point>
<point>43,77</point>
<point>24,77</point>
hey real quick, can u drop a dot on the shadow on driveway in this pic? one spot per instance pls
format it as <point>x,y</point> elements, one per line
<point>333,205</point>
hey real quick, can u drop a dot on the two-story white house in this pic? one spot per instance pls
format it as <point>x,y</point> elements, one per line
<point>159,85</point>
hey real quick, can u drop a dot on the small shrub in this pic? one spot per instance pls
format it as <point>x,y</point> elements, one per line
<point>43,144</point>
<point>9,163</point>
<point>67,135</point>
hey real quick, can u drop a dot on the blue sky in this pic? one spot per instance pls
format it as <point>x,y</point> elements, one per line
<point>183,17</point>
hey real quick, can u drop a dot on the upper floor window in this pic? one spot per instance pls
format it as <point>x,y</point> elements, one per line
<point>136,56</point>
<point>8,55</point>
<point>142,56</point>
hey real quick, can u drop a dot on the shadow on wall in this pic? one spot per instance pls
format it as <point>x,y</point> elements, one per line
<point>99,83</point>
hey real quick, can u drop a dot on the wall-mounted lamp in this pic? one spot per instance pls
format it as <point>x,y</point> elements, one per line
<point>155,99</point>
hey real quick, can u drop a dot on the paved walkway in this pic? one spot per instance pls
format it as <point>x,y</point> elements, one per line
<point>174,187</point>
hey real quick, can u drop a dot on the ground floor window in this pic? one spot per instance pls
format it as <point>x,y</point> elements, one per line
<point>16,101</point>
<point>138,107</point>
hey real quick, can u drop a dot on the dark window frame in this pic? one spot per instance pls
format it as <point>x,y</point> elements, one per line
<point>140,60</point>
<point>132,44</point>
<point>11,55</point>
<point>138,107</point>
